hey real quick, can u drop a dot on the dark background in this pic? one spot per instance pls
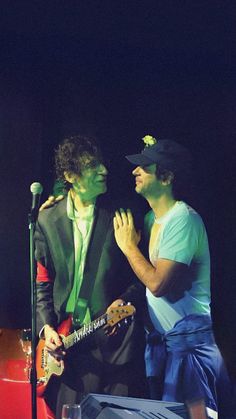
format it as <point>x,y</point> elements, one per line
<point>117,70</point>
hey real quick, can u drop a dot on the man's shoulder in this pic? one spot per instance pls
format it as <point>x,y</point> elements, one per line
<point>57,209</point>
<point>184,215</point>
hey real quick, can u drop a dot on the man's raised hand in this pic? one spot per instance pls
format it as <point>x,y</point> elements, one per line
<point>51,201</point>
<point>125,233</point>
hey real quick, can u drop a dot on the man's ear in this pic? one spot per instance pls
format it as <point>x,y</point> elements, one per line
<point>70,177</point>
<point>167,178</point>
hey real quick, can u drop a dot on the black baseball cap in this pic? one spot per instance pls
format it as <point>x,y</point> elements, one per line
<point>167,153</point>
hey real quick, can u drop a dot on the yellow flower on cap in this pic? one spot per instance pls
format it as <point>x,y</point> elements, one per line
<point>149,140</point>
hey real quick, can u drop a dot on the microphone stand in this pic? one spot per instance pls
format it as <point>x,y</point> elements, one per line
<point>32,217</point>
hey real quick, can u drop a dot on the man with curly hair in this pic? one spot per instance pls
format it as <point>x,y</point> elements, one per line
<point>81,271</point>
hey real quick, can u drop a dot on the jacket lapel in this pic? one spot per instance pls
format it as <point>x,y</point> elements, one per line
<point>64,241</point>
<point>101,225</point>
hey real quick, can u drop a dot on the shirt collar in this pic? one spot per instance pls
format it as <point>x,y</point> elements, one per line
<point>164,217</point>
<point>86,214</point>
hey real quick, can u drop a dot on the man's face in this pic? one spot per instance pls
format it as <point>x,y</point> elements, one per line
<point>146,181</point>
<point>92,180</point>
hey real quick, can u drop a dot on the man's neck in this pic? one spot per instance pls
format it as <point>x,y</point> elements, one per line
<point>79,203</point>
<point>162,204</point>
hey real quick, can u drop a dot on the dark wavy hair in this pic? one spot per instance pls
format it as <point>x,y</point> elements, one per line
<point>182,179</point>
<point>75,154</point>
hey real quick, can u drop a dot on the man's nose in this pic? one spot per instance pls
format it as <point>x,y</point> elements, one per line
<point>102,169</point>
<point>136,170</point>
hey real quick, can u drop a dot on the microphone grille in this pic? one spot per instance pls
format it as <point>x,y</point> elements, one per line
<point>36,188</point>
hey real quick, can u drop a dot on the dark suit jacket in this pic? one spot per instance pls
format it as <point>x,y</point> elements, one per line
<point>106,269</point>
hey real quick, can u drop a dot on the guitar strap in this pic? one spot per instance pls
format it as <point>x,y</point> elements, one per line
<point>101,224</point>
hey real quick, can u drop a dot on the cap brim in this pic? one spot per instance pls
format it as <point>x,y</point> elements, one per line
<point>139,159</point>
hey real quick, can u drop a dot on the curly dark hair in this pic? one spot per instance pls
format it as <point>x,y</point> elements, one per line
<point>182,179</point>
<point>76,153</point>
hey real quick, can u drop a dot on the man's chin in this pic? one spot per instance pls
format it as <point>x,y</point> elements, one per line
<point>137,189</point>
<point>103,189</point>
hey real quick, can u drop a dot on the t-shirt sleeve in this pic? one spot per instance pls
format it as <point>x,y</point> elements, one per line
<point>179,241</point>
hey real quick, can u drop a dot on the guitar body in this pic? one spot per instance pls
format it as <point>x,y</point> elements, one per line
<point>46,365</point>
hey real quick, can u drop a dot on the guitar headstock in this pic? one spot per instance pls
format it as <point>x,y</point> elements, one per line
<point>115,315</point>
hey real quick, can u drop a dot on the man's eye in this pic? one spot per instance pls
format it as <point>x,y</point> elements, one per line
<point>149,168</point>
<point>146,168</point>
<point>92,164</point>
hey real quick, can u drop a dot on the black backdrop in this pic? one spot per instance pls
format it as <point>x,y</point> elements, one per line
<point>117,70</point>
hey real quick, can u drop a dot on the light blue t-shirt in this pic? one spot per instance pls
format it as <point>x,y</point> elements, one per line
<point>182,238</point>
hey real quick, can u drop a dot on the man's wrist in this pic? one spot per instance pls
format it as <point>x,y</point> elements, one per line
<point>132,251</point>
<point>129,250</point>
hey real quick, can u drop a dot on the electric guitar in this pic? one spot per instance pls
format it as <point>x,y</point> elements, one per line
<point>47,365</point>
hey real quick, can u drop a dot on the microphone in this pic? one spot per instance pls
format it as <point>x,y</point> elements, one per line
<point>36,189</point>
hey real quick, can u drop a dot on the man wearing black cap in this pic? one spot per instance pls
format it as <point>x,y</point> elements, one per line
<point>183,363</point>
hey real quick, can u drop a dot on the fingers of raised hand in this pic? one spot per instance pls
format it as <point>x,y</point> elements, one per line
<point>121,217</point>
<point>59,198</point>
<point>118,219</point>
<point>115,223</point>
<point>130,219</point>
<point>52,200</point>
<point>47,204</point>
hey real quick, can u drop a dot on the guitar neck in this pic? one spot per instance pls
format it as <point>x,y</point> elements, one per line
<point>84,331</point>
